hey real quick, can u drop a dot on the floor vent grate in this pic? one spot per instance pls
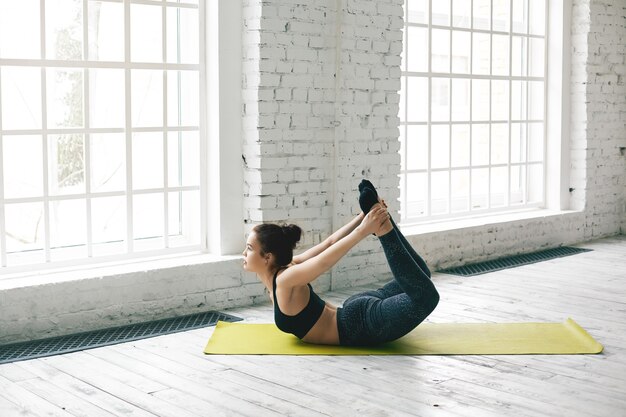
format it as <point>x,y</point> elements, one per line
<point>512,261</point>
<point>97,338</point>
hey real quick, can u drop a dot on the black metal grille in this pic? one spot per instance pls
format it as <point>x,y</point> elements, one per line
<point>89,340</point>
<point>512,261</point>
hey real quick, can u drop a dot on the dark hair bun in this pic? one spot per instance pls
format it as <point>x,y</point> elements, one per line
<point>292,233</point>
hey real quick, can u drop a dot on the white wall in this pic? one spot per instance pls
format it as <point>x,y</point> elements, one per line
<point>320,103</point>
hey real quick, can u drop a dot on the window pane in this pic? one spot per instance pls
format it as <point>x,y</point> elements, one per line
<point>461,50</point>
<point>417,49</point>
<point>439,192</point>
<point>440,50</point>
<point>500,55</point>
<point>499,181</point>
<point>536,57</point>
<point>20,20</point>
<point>65,97</point>
<point>535,100</point>
<point>460,191</point>
<point>23,166</point>
<point>108,162</point>
<point>417,99</point>
<point>480,99</point>
<point>535,142</point>
<point>402,139</point>
<point>440,109</point>
<point>460,146</point>
<point>68,229</point>
<point>106,98</point>
<point>417,11</point>
<point>518,184</point>
<point>183,159</point>
<point>182,98</point>
<point>480,53</point>
<point>182,35</point>
<point>147,160</point>
<point>441,13</point>
<point>147,97</point>
<point>417,147</point>
<point>21,98</point>
<point>66,162</point>
<point>499,100</point>
<point>148,221</point>
<point>501,15</point>
<point>520,16</point>
<point>480,144</point>
<point>461,13</point>
<point>64,29</point>
<point>535,183</point>
<point>482,14</point>
<point>499,143</point>
<point>518,142</point>
<point>146,43</point>
<point>537,12</point>
<point>106,40</point>
<point>519,59</point>
<point>518,100</point>
<point>480,188</point>
<point>184,218</point>
<point>24,233</point>
<point>108,220</point>
<point>460,100</point>
<point>417,192</point>
<point>440,143</point>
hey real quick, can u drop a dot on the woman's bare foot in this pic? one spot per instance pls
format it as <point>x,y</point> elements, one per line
<point>386,227</point>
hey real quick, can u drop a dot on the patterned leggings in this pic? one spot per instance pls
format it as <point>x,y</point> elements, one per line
<point>374,317</point>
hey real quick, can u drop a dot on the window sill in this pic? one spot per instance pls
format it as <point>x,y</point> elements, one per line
<point>483,220</point>
<point>105,269</point>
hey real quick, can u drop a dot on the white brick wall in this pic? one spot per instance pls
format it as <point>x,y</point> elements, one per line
<point>319,113</point>
<point>599,115</point>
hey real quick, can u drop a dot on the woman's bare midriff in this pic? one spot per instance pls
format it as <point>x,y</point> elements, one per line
<point>324,331</point>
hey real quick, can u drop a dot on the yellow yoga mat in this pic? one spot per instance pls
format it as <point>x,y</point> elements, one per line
<point>427,339</point>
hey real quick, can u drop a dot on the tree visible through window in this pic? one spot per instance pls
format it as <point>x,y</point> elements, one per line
<point>99,129</point>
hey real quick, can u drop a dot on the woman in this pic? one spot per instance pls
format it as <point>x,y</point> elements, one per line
<point>367,318</point>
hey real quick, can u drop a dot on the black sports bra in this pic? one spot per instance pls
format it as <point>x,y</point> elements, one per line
<point>301,323</point>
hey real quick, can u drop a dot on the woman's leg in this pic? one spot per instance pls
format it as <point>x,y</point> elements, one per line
<point>410,249</point>
<point>369,319</point>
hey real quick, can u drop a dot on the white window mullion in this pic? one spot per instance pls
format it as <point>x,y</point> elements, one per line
<point>3,241</point>
<point>510,83</point>
<point>44,135</point>
<point>166,232</point>
<point>430,101</point>
<point>527,113</point>
<point>129,144</point>
<point>449,211</point>
<point>490,103</point>
<point>545,107</point>
<point>87,123</point>
<point>471,89</point>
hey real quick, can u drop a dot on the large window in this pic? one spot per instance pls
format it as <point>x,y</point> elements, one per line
<point>472,107</point>
<point>99,129</point>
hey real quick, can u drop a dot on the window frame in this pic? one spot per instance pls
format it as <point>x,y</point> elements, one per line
<point>86,65</point>
<point>554,150</point>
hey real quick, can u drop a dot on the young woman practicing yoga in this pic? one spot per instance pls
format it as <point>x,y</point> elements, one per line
<point>368,318</point>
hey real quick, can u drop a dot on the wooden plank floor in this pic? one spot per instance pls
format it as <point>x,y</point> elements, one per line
<point>170,376</point>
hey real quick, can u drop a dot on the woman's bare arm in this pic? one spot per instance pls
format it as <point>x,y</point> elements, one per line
<point>309,270</point>
<point>329,241</point>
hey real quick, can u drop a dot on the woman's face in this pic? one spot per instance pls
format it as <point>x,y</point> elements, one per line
<point>252,259</point>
